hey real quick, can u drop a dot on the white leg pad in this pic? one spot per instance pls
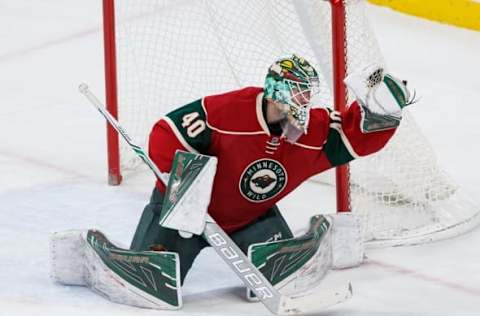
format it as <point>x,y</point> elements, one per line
<point>75,262</point>
<point>67,255</point>
<point>107,283</point>
<point>348,249</point>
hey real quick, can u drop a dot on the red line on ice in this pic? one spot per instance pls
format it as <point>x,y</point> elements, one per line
<point>47,44</point>
<point>45,165</point>
<point>425,277</point>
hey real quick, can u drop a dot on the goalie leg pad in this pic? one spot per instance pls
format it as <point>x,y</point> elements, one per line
<point>144,279</point>
<point>348,249</point>
<point>294,265</point>
<point>67,257</point>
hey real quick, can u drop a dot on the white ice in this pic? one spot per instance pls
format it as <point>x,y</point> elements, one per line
<point>53,170</point>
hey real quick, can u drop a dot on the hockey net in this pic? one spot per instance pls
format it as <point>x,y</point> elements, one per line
<point>170,52</point>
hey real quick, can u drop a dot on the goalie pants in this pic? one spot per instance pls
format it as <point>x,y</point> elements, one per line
<point>269,227</point>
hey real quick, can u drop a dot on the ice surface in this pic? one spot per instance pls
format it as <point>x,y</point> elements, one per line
<point>52,165</point>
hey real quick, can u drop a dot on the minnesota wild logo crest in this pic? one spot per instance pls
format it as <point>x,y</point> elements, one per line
<point>262,180</point>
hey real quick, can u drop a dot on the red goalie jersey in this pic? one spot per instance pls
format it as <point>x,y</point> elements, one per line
<point>257,168</point>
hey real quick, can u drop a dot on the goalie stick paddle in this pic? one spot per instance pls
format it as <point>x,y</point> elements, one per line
<point>277,303</point>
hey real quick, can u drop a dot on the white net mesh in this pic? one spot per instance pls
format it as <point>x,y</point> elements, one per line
<point>172,52</point>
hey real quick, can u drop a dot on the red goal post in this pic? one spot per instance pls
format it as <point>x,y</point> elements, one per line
<point>110,57</point>
<point>160,54</point>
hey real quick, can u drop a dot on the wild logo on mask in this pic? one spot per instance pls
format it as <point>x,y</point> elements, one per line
<point>262,180</point>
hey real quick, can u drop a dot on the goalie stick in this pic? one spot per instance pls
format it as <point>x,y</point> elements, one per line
<point>273,300</point>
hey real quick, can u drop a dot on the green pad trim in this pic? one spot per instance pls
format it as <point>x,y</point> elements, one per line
<point>281,259</point>
<point>152,272</point>
<point>396,90</point>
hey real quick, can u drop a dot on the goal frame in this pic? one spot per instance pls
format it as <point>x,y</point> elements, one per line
<point>394,207</point>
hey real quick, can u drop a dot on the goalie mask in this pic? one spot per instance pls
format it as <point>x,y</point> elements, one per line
<point>291,83</point>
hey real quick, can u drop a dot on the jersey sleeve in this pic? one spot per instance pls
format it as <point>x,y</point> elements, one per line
<point>162,146</point>
<point>183,129</point>
<point>345,140</point>
<point>189,124</point>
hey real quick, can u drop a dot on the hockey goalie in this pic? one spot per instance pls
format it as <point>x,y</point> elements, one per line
<point>230,159</point>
